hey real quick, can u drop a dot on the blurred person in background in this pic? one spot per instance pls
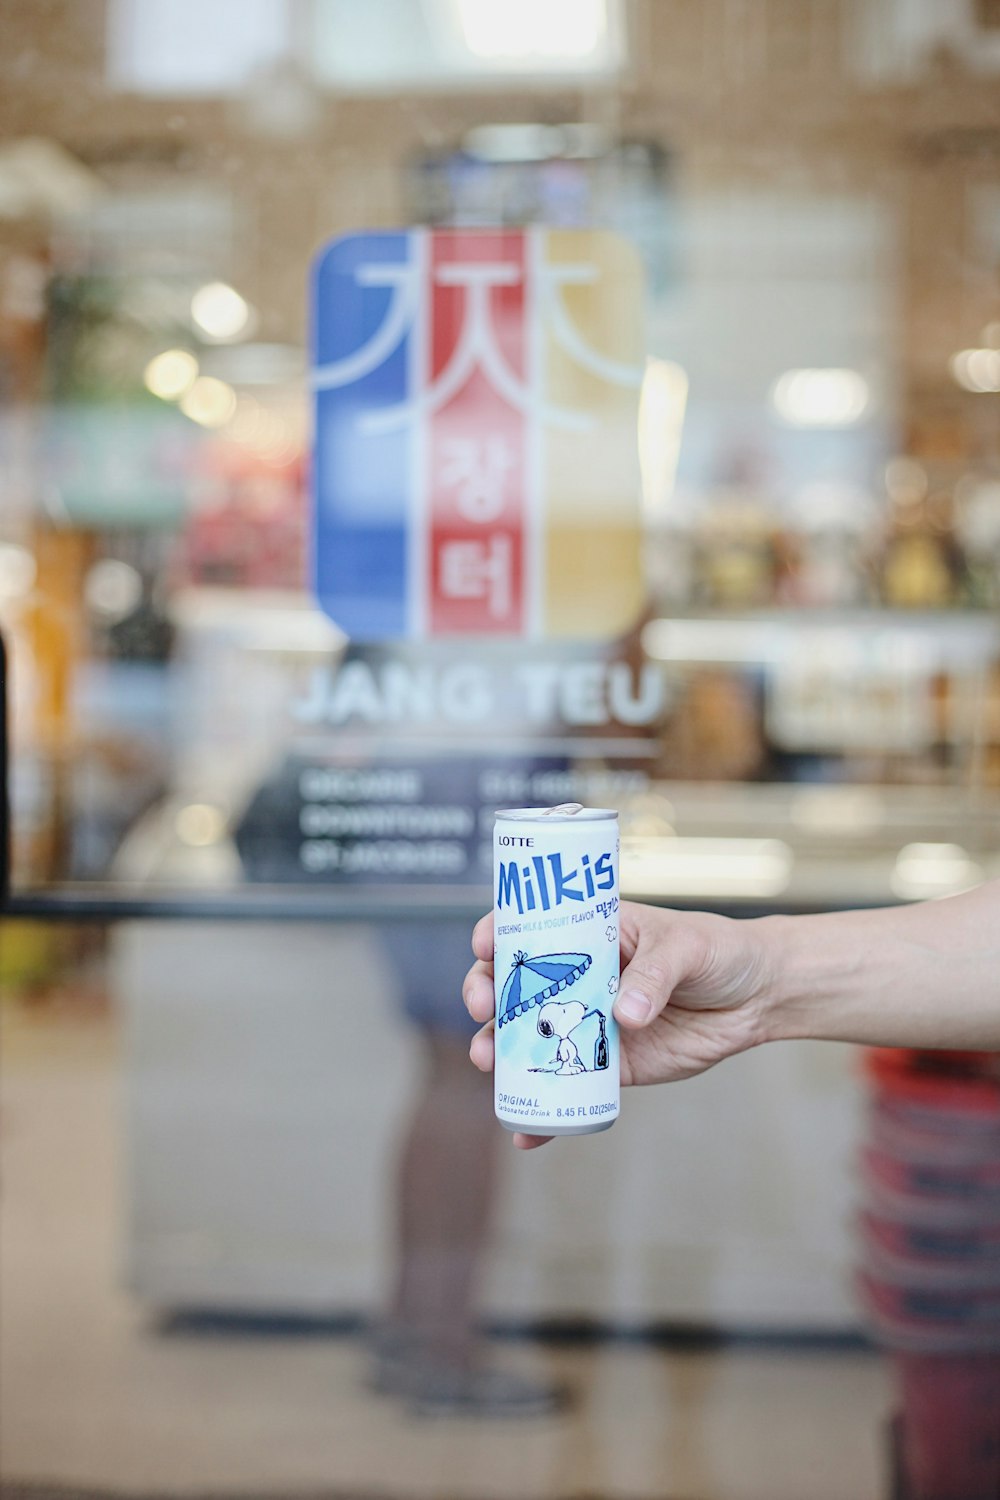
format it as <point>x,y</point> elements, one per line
<point>428,1348</point>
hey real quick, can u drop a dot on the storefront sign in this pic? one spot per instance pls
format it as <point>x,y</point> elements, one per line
<point>475,467</point>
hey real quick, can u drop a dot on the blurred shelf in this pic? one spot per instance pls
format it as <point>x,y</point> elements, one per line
<point>737,848</point>
<point>932,640</point>
<point>862,616</point>
<point>109,902</point>
<point>106,904</point>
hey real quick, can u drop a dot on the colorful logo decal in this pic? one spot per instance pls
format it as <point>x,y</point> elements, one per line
<point>475,468</point>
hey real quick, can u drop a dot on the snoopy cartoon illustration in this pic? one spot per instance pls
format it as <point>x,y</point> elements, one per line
<point>561,1020</point>
<point>540,981</point>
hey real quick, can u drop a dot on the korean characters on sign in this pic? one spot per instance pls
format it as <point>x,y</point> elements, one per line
<point>475,465</point>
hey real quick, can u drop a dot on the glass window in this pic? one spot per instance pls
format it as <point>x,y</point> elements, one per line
<point>419,407</point>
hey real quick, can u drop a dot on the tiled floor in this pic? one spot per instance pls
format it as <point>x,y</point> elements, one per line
<point>93,1394</point>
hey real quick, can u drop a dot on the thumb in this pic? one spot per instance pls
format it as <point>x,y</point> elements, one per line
<point>663,959</point>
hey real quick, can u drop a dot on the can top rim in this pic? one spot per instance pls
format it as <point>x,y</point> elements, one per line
<point>567,812</point>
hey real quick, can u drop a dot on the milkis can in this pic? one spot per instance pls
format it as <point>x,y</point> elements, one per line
<point>556,968</point>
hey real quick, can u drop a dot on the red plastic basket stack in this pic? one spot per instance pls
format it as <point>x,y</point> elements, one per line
<point>930,1235</point>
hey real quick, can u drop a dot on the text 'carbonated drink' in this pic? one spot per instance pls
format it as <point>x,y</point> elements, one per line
<point>556,968</point>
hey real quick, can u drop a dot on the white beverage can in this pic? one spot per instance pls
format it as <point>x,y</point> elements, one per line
<point>556,969</point>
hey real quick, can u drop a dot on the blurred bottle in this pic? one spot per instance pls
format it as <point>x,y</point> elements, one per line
<point>977,526</point>
<point>922,564</point>
<point>736,560</point>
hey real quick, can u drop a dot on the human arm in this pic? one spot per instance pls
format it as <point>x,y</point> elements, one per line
<point>697,988</point>
<point>925,975</point>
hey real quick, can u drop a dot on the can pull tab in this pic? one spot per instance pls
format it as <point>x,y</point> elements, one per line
<point>565,809</point>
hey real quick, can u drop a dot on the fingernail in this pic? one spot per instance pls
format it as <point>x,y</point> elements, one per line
<point>633,1006</point>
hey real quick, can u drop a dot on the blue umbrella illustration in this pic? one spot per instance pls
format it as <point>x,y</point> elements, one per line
<point>532,981</point>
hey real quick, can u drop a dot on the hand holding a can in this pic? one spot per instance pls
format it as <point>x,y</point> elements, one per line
<point>691,993</point>
<point>696,988</point>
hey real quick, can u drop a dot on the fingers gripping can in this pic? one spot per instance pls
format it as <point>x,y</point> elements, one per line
<point>556,968</point>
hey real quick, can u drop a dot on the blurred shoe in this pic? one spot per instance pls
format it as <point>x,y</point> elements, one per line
<point>434,1387</point>
<point>488,1392</point>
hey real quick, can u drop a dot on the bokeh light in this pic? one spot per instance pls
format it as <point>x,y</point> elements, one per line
<point>820,398</point>
<point>977,370</point>
<point>112,589</point>
<point>209,402</point>
<point>199,824</point>
<point>219,312</point>
<point>18,571</point>
<point>522,28</point>
<point>171,373</point>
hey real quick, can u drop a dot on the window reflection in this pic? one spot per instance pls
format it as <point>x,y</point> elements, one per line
<point>250,1113</point>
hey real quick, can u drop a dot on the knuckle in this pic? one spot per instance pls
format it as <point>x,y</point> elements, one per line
<point>477,992</point>
<point>652,972</point>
